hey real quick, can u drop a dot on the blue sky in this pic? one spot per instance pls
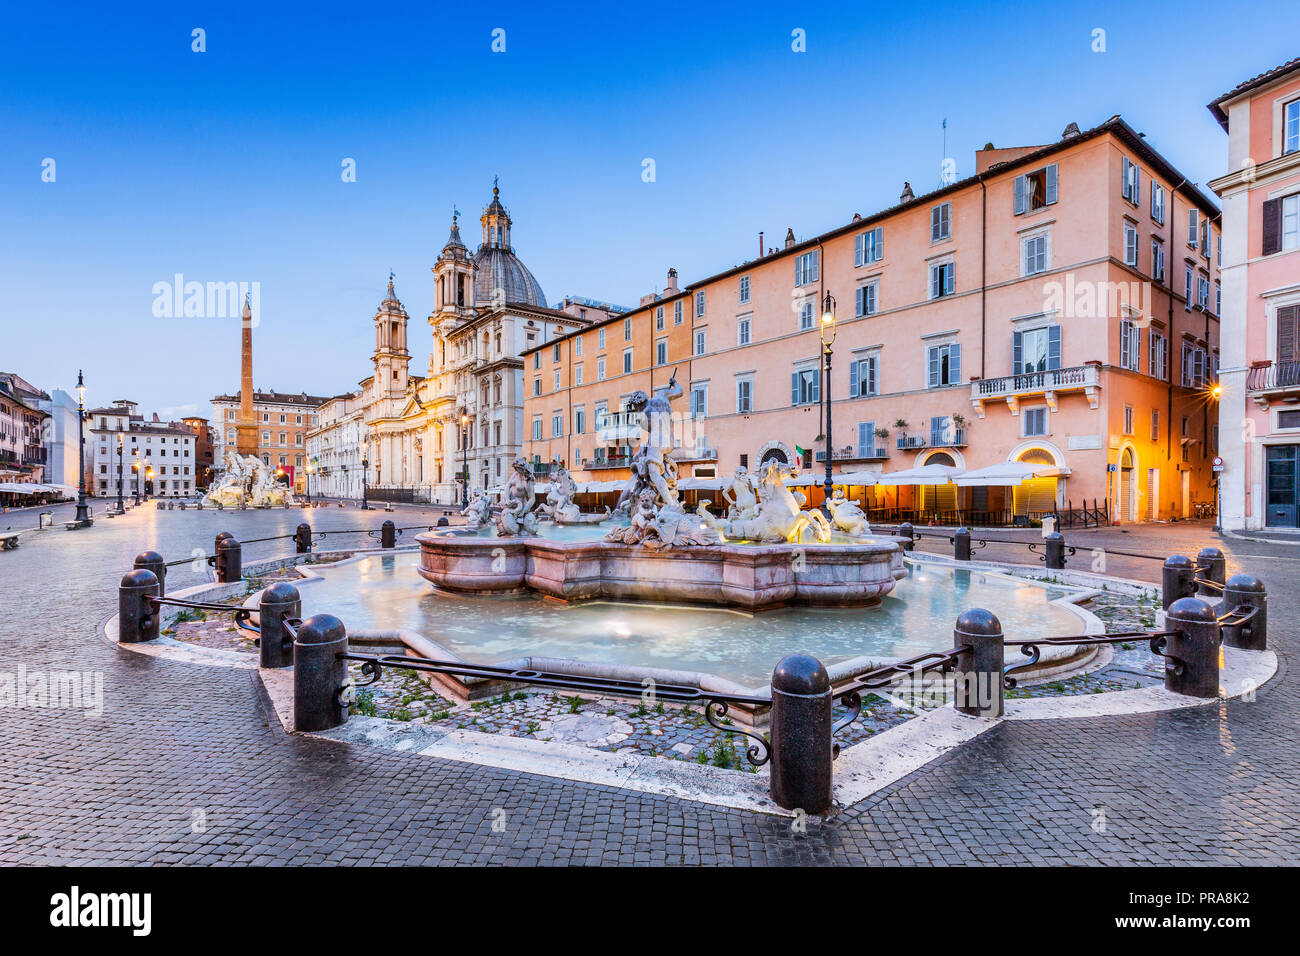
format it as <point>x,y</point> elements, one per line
<point>225,165</point>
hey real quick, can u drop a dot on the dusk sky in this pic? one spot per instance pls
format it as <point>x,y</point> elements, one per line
<point>225,165</point>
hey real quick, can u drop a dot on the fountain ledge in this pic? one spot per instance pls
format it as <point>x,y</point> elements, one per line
<point>750,576</point>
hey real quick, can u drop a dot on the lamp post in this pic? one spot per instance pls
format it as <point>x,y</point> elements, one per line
<point>135,466</point>
<point>464,459</point>
<point>148,474</point>
<point>121,505</point>
<point>827,331</point>
<point>83,512</point>
<point>311,466</point>
<point>365,465</point>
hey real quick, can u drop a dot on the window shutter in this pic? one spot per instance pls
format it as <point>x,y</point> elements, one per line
<point>1137,185</point>
<point>954,363</point>
<point>949,277</point>
<point>864,437</point>
<point>859,242</point>
<point>932,367</point>
<point>1051,184</point>
<point>794,388</point>
<point>1017,352</point>
<point>1124,345</point>
<point>1191,227</point>
<point>853,378</point>
<point>1053,346</point>
<point>1123,177</point>
<point>1272,226</point>
<point>879,245</point>
<point>1020,196</point>
<point>815,378</point>
<point>871,373</point>
<point>1288,332</point>
<point>934,282</point>
<point>859,295</point>
<point>934,223</point>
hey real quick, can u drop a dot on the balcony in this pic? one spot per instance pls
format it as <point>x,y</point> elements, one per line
<point>1047,384</point>
<point>618,426</point>
<point>955,438</point>
<point>849,453</point>
<point>1274,380</point>
<point>616,461</point>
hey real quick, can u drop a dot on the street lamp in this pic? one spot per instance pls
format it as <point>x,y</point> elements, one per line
<point>464,458</point>
<point>121,505</point>
<point>827,332</point>
<point>135,466</point>
<point>148,473</point>
<point>311,466</point>
<point>365,474</point>
<point>83,513</point>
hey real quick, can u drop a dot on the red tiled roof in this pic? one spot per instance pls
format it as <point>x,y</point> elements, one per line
<point>1254,82</point>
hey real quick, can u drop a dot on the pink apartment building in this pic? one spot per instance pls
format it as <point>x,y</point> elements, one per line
<point>1260,404</point>
<point>1058,308</point>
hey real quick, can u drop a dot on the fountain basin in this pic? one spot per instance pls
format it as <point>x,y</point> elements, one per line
<point>740,575</point>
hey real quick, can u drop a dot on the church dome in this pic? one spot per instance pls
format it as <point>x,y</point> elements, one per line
<point>499,275</point>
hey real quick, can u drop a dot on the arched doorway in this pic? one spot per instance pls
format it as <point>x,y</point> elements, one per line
<point>774,454</point>
<point>1126,491</point>
<point>939,498</point>
<point>1035,495</point>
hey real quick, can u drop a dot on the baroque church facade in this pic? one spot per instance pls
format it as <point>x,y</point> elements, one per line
<point>438,437</point>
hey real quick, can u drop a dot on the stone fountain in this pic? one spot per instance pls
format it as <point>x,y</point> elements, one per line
<point>756,557</point>
<point>248,483</point>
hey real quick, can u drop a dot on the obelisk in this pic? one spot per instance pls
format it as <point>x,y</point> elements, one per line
<point>246,426</point>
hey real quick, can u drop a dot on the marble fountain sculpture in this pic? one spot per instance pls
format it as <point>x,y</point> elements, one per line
<point>758,556</point>
<point>248,482</point>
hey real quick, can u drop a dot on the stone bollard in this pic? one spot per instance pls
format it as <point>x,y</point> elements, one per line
<point>801,735</point>
<point>1054,550</point>
<point>1177,579</point>
<point>302,538</point>
<point>388,535</point>
<point>153,561</point>
<point>1242,589</point>
<point>961,544</point>
<point>229,559</point>
<point>1212,566</point>
<point>278,602</point>
<point>977,688</point>
<point>137,618</point>
<point>1192,654</point>
<point>320,678</point>
<point>443,522</point>
<point>905,532</point>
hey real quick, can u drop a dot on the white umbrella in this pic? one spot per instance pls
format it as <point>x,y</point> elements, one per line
<point>921,475</point>
<point>1003,474</point>
<point>703,484</point>
<point>857,478</point>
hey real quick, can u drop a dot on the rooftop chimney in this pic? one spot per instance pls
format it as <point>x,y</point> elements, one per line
<point>760,244</point>
<point>672,281</point>
<point>1071,130</point>
<point>907,195</point>
<point>789,238</point>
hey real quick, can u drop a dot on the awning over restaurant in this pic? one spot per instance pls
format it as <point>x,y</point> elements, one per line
<point>1007,473</point>
<point>921,475</point>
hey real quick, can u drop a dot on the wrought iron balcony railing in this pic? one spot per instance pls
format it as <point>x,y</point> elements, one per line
<point>1279,375</point>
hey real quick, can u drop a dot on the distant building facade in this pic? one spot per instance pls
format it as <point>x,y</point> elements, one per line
<point>282,420</point>
<point>1260,377</point>
<point>155,457</point>
<point>1056,308</point>
<point>24,457</point>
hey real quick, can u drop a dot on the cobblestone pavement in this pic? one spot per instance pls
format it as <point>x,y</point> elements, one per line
<point>185,766</point>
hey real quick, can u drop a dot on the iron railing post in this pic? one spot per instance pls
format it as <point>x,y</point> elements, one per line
<point>801,735</point>
<point>908,535</point>
<point>977,688</point>
<point>1177,579</point>
<point>961,544</point>
<point>153,561</point>
<point>1212,566</point>
<point>1054,550</point>
<point>1244,590</point>
<point>278,602</point>
<point>137,617</point>
<point>1192,651</point>
<point>388,535</point>
<point>321,687</point>
<point>302,538</point>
